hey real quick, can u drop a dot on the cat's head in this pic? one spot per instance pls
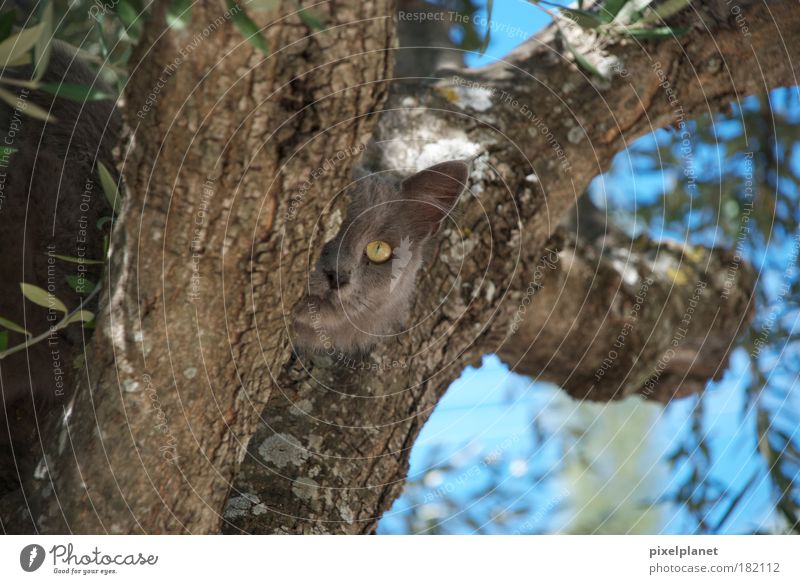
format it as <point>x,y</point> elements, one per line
<point>362,287</point>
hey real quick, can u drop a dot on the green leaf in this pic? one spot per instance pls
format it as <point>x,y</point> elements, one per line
<point>179,14</point>
<point>582,18</point>
<point>42,297</point>
<point>80,284</point>
<point>130,13</point>
<point>663,11</point>
<point>654,33</point>
<point>314,22</point>
<point>80,316</point>
<point>631,10</point>
<point>26,107</point>
<point>611,8</point>
<point>7,23</point>
<point>248,29</point>
<point>75,92</point>
<point>79,361</point>
<point>583,62</point>
<point>7,150</point>
<point>3,341</point>
<point>109,186</point>
<point>41,50</point>
<point>102,221</point>
<point>14,50</point>
<point>75,260</point>
<point>12,326</point>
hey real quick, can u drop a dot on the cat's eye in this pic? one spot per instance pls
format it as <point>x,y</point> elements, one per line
<point>378,251</point>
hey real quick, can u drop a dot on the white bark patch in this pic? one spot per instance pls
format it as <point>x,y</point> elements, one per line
<point>476,98</point>
<point>446,149</point>
<point>334,223</point>
<point>491,290</point>
<point>575,135</point>
<point>282,450</point>
<point>626,271</point>
<point>346,514</point>
<point>240,505</point>
<point>306,489</point>
<point>130,386</point>
<point>41,470</point>
<point>302,407</point>
<point>190,372</point>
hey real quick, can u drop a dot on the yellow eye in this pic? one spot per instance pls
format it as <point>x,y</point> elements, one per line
<point>378,251</point>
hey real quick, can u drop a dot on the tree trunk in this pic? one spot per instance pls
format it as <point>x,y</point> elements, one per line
<point>210,254</point>
<point>206,258</point>
<point>332,452</point>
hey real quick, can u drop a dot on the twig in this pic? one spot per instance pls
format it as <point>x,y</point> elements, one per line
<point>56,327</point>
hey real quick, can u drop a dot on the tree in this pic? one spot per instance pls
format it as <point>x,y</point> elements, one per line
<point>193,401</point>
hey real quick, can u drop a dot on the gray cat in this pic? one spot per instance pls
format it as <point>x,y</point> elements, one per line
<point>363,285</point>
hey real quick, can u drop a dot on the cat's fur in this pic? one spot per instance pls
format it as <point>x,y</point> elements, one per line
<point>50,203</point>
<point>352,303</point>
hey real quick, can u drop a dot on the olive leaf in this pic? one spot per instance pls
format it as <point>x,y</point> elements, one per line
<point>611,8</point>
<point>655,33</point>
<point>42,297</point>
<point>130,13</point>
<point>179,14</point>
<point>583,62</point>
<point>12,326</point>
<point>14,50</point>
<point>248,29</point>
<point>582,18</point>
<point>79,362</point>
<point>75,92</point>
<point>41,50</point>
<point>109,186</point>
<point>80,284</point>
<point>7,23</point>
<point>314,22</point>
<point>75,260</point>
<point>26,107</point>
<point>80,316</point>
<point>663,11</point>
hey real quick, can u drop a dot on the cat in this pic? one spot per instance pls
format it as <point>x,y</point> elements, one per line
<point>50,204</point>
<point>363,284</point>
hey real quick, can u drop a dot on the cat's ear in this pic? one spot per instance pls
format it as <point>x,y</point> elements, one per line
<point>437,189</point>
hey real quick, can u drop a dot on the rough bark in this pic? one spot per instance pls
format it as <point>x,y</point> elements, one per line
<point>607,319</point>
<point>333,450</point>
<point>194,322</point>
<point>333,446</point>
